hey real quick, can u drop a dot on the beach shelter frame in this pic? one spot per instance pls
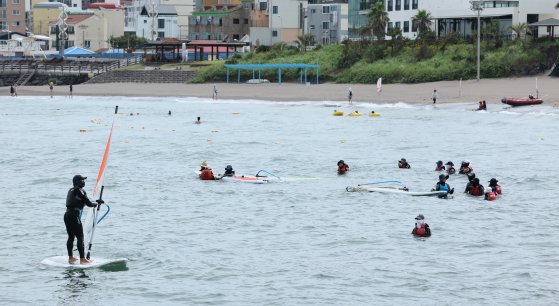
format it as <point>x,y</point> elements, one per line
<point>279,67</point>
<point>550,23</point>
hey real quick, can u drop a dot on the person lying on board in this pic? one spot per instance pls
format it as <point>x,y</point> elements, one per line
<point>450,168</point>
<point>403,164</point>
<point>75,201</point>
<point>342,167</point>
<point>443,186</point>
<point>421,229</point>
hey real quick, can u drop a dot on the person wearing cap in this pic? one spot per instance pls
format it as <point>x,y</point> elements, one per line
<point>403,164</point>
<point>495,187</point>
<point>206,173</point>
<point>475,188</point>
<point>443,186</point>
<point>440,166</point>
<point>229,171</point>
<point>421,229</point>
<point>450,167</point>
<point>342,167</point>
<point>465,168</point>
<point>75,201</point>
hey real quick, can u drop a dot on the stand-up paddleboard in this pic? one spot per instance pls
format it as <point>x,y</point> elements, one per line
<point>96,262</point>
<point>404,191</point>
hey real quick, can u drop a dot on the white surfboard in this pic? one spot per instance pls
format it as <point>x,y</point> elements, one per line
<point>395,190</point>
<point>62,262</point>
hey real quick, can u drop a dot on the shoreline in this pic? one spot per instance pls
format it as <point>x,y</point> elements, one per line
<point>471,91</point>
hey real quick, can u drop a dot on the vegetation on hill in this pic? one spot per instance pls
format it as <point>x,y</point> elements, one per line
<point>400,60</point>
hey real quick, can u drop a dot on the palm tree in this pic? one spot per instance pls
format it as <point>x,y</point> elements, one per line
<point>378,19</point>
<point>304,41</point>
<point>519,29</point>
<point>423,20</point>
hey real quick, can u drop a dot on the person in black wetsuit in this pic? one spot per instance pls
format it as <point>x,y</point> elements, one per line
<point>75,201</point>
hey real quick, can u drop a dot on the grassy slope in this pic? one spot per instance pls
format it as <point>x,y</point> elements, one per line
<point>457,61</point>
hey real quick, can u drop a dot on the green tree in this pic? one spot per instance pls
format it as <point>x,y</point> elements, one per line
<point>423,20</point>
<point>378,19</point>
<point>304,41</point>
<point>127,41</point>
<point>396,39</point>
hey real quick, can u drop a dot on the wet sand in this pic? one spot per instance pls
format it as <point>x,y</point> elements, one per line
<point>491,90</point>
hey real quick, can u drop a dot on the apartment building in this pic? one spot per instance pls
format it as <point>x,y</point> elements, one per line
<point>224,22</point>
<point>328,23</point>
<point>13,16</point>
<point>274,21</point>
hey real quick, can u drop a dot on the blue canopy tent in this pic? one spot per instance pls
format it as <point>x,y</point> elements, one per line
<point>75,51</point>
<point>279,67</point>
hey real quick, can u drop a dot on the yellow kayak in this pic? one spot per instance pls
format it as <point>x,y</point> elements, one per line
<point>374,115</point>
<point>338,113</point>
<point>354,115</point>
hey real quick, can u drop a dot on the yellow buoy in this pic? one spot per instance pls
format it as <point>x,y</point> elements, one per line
<point>82,130</point>
<point>209,140</point>
<point>374,115</point>
<point>215,131</point>
<point>343,141</point>
<point>338,113</point>
<point>236,113</point>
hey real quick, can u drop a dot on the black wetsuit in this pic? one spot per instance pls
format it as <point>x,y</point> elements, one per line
<point>75,201</point>
<point>229,173</point>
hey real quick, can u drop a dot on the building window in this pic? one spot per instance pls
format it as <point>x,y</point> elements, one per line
<point>274,33</point>
<point>414,4</point>
<point>390,25</point>
<point>325,40</point>
<point>326,9</point>
<point>87,44</point>
<point>15,23</point>
<point>413,26</point>
<point>145,21</point>
<point>398,5</point>
<point>406,4</point>
<point>3,14</point>
<point>390,5</point>
<point>246,21</point>
<point>161,23</point>
<point>2,3</point>
<point>15,12</point>
<point>312,27</point>
<point>406,26</point>
<point>15,1</point>
<point>397,25</point>
<point>235,20</point>
<point>160,34</point>
<point>325,25</point>
<point>275,9</point>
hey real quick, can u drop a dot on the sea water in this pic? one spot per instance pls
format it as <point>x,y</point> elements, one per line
<point>301,242</point>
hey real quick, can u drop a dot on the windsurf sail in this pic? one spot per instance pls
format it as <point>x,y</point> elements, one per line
<point>379,85</point>
<point>92,216</point>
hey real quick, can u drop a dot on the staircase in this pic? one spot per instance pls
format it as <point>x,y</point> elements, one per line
<point>143,76</point>
<point>24,78</point>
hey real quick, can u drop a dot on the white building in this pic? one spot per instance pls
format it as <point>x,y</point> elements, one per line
<point>133,24</point>
<point>401,13</point>
<point>328,23</point>
<point>274,21</point>
<point>164,24</point>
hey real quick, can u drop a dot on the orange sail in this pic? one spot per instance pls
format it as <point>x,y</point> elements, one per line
<point>101,173</point>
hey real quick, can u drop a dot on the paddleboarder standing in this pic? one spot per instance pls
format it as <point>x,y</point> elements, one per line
<point>75,201</point>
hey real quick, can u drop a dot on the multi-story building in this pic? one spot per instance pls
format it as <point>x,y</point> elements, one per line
<point>328,23</point>
<point>184,10</point>
<point>401,14</point>
<point>12,16</point>
<point>274,21</point>
<point>224,22</point>
<point>91,29</point>
<point>43,13</point>
<point>163,24</point>
<point>357,17</point>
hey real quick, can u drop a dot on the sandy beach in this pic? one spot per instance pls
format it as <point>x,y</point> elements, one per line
<point>492,90</point>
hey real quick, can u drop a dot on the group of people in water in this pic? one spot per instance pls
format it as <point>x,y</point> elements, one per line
<point>206,172</point>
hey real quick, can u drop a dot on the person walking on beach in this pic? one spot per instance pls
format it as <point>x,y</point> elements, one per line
<point>349,95</point>
<point>75,201</point>
<point>51,88</point>
<point>71,90</point>
<point>214,94</point>
<point>15,90</point>
<point>435,96</point>
<point>12,90</point>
